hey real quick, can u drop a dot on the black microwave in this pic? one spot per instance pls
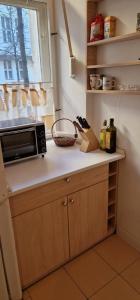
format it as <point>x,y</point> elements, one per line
<point>21,139</point>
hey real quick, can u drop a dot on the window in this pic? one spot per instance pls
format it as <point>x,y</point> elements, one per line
<point>20,66</point>
<point>6,29</point>
<point>26,39</point>
<point>25,53</point>
<point>8,70</point>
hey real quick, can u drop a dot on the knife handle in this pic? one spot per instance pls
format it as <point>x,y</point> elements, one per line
<point>78,126</point>
<point>86,125</point>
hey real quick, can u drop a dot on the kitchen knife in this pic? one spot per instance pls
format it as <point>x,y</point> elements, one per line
<point>85,123</point>
<point>80,121</point>
<point>78,126</point>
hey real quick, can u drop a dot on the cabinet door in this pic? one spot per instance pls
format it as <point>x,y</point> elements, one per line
<point>42,240</point>
<point>87,212</point>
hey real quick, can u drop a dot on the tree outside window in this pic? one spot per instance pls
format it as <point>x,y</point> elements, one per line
<point>16,40</point>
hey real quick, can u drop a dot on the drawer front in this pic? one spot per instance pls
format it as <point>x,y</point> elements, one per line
<point>47,193</point>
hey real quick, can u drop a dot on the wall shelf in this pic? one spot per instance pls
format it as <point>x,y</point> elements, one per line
<point>116,39</point>
<point>115,65</point>
<point>93,7</point>
<point>114,92</point>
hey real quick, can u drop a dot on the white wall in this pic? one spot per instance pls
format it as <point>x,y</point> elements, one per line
<point>71,91</point>
<point>126,111</point>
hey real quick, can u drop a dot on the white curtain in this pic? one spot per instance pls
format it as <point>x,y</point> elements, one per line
<point>33,102</point>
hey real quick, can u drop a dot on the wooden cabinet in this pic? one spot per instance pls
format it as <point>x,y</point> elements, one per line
<point>42,240</point>
<point>87,211</point>
<point>50,231</point>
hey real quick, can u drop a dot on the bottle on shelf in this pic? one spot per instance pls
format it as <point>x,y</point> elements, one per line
<point>97,28</point>
<point>111,134</point>
<point>138,22</point>
<point>103,136</point>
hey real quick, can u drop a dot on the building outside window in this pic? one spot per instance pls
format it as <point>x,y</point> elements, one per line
<point>8,69</point>
<point>6,29</point>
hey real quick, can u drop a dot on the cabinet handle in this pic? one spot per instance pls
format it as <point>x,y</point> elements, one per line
<point>68,179</point>
<point>71,201</point>
<point>65,203</point>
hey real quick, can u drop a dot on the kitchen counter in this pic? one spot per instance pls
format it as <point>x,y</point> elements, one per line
<point>58,163</point>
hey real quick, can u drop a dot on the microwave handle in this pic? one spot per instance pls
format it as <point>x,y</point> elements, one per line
<point>17,131</point>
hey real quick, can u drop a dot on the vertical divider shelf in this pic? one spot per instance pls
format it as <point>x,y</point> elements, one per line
<point>112,196</point>
<point>91,51</point>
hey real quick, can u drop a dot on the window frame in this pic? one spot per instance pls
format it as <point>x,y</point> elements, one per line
<point>5,30</point>
<point>51,44</point>
<point>8,69</point>
<point>44,40</point>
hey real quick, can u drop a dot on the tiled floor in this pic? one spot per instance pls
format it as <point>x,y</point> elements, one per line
<point>110,271</point>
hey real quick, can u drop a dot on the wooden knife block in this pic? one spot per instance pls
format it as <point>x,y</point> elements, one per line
<point>89,141</point>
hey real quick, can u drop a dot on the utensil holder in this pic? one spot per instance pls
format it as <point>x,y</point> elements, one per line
<point>89,141</point>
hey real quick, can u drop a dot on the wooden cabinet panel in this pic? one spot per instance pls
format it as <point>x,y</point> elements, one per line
<point>87,212</point>
<point>42,240</point>
<point>47,193</point>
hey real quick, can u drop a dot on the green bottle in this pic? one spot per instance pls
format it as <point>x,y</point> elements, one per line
<point>111,134</point>
<point>103,136</point>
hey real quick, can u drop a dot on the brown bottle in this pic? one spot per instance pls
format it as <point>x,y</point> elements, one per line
<point>111,134</point>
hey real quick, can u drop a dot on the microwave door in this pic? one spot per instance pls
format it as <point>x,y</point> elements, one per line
<point>19,144</point>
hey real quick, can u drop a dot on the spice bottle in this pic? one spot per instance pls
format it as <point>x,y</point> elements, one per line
<point>109,27</point>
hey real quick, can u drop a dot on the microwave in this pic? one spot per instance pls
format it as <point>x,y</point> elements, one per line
<point>21,139</point>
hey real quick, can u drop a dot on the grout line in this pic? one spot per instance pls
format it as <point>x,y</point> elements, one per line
<point>75,282</point>
<point>138,258</point>
<point>106,262</point>
<point>121,276</point>
<point>115,276</point>
<point>117,272</point>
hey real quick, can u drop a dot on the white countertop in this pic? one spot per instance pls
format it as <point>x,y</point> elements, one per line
<point>58,163</point>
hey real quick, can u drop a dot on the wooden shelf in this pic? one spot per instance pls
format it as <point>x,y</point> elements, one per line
<point>115,65</point>
<point>96,1</point>
<point>113,173</point>
<point>111,216</point>
<point>110,203</point>
<point>114,92</point>
<point>116,39</point>
<point>112,188</point>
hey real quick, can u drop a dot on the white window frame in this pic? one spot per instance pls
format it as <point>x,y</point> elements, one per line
<point>5,30</point>
<point>8,69</point>
<point>44,41</point>
<point>48,56</point>
<point>20,66</point>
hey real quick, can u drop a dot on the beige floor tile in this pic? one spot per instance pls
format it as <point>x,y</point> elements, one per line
<point>117,289</point>
<point>90,272</point>
<point>57,286</point>
<point>117,253</point>
<point>132,275</point>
